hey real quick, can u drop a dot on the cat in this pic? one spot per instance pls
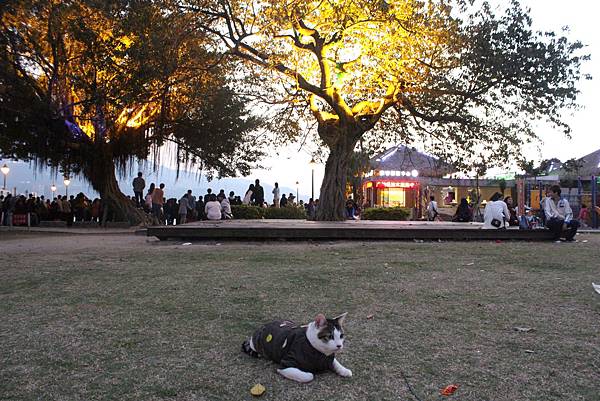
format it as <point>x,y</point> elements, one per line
<point>301,351</point>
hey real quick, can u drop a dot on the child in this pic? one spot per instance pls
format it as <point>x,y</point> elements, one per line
<point>584,215</point>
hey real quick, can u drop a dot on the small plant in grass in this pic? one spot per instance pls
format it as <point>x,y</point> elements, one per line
<point>246,212</point>
<point>388,213</point>
<point>285,213</point>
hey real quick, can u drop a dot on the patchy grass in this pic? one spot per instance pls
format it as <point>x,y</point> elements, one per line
<point>117,317</point>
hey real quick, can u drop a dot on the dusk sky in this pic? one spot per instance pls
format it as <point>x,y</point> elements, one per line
<point>291,165</point>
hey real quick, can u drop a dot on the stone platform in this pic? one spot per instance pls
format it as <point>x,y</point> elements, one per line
<point>339,230</point>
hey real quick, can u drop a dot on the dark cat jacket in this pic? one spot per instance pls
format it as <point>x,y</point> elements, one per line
<point>284,342</point>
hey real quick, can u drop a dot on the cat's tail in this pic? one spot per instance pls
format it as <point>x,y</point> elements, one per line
<point>247,348</point>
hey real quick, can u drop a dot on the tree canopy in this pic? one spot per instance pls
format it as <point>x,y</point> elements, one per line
<point>86,84</point>
<point>465,80</point>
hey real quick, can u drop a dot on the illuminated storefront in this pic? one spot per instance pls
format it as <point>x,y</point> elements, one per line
<point>391,192</point>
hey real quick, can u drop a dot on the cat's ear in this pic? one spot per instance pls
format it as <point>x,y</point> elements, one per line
<point>340,319</point>
<point>320,320</point>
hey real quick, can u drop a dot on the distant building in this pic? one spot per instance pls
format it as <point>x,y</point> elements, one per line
<point>402,176</point>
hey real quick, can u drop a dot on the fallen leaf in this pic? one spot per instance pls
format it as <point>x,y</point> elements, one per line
<point>258,390</point>
<point>523,329</point>
<point>449,389</point>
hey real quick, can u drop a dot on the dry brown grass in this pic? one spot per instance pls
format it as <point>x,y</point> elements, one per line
<point>117,317</point>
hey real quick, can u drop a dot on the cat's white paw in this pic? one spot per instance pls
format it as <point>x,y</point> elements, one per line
<point>345,372</point>
<point>296,375</point>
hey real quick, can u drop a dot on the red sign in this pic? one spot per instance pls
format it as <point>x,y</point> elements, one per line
<point>395,184</point>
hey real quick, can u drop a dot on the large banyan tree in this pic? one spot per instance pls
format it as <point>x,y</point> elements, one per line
<point>88,87</point>
<point>457,76</point>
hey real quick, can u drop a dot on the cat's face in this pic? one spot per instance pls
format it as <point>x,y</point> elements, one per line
<point>327,335</point>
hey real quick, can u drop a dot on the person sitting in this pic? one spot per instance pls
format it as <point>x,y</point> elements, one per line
<point>496,213</point>
<point>463,212</point>
<point>212,208</point>
<point>559,216</point>
<point>513,220</point>
<point>225,208</point>
<point>351,210</point>
<point>291,199</point>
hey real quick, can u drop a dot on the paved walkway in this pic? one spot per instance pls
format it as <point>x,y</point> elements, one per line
<point>75,230</point>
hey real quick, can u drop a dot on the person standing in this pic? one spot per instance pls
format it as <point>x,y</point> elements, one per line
<point>248,196</point>
<point>191,205</point>
<point>138,189</point>
<point>207,195</point>
<point>559,216</point>
<point>432,209</point>
<point>8,206</point>
<point>259,194</point>
<point>148,201</point>
<point>158,198</point>
<point>276,195</point>
<point>67,214</point>
<point>311,209</point>
<point>184,207</point>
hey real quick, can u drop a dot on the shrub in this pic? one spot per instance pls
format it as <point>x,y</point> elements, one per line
<point>385,213</point>
<point>285,213</point>
<point>246,212</point>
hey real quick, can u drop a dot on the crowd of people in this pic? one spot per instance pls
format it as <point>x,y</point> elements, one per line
<point>501,212</point>
<point>38,208</point>
<point>163,209</point>
<point>210,206</point>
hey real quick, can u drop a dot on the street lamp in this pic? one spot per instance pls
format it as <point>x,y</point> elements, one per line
<point>312,163</point>
<point>5,169</point>
<point>67,181</point>
<point>53,189</point>
<point>297,199</point>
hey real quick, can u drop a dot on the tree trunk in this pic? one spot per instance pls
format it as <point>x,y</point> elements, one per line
<point>100,172</point>
<point>333,189</point>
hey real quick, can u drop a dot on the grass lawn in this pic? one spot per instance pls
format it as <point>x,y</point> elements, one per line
<point>126,318</point>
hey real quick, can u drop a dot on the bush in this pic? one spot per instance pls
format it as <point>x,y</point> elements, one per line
<point>385,213</point>
<point>285,213</point>
<point>246,212</point>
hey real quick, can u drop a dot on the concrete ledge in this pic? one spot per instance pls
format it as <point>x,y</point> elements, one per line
<point>356,230</point>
